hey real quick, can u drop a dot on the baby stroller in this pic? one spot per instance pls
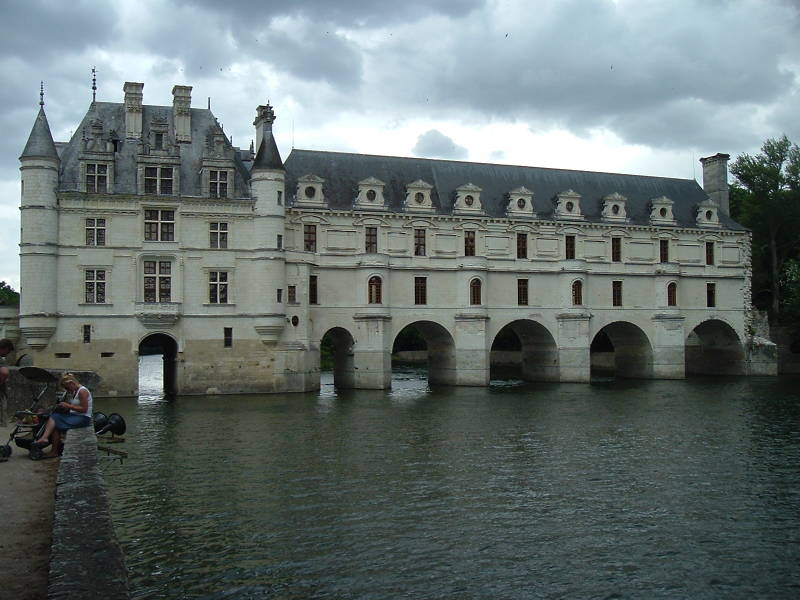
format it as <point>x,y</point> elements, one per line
<point>30,423</point>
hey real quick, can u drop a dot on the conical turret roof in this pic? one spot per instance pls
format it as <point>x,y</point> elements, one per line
<point>40,142</point>
<point>268,156</point>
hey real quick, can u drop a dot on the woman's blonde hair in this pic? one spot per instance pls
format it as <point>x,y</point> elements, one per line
<point>67,378</point>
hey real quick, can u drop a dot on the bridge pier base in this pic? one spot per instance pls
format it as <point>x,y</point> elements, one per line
<point>669,360</point>
<point>472,354</point>
<point>372,356</point>
<point>574,359</point>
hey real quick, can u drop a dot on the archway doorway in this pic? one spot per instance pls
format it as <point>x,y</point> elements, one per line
<point>429,344</point>
<point>158,377</point>
<point>336,354</point>
<point>525,350</point>
<point>621,349</point>
<point>713,348</point>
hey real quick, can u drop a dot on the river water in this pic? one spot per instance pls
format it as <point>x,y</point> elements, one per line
<point>627,489</point>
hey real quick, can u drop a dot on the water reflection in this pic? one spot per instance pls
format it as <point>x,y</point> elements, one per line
<point>629,489</point>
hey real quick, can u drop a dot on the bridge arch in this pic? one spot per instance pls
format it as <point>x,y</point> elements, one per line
<point>440,349</point>
<point>336,352</point>
<point>167,346</point>
<point>714,348</point>
<point>536,347</point>
<point>623,349</point>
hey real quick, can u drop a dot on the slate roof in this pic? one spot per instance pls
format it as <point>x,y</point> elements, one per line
<point>112,115</point>
<point>342,172</point>
<point>40,141</point>
<point>267,156</point>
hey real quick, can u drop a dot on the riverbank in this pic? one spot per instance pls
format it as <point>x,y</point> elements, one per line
<point>26,518</point>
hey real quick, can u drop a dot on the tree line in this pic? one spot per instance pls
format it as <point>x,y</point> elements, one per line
<point>765,198</point>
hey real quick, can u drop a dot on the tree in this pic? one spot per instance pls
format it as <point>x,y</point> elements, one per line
<point>8,296</point>
<point>768,202</point>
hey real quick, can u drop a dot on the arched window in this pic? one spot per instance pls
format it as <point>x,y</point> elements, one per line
<point>374,290</point>
<point>475,292</point>
<point>672,294</point>
<point>577,293</point>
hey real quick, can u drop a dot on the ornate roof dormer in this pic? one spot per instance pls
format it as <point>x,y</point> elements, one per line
<point>370,194</point>
<point>520,203</point>
<point>708,214</point>
<point>468,200</point>
<point>568,206</point>
<point>661,211</point>
<point>614,208</point>
<point>418,197</point>
<point>309,192</point>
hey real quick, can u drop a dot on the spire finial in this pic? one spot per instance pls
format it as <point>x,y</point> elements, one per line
<point>41,94</point>
<point>94,84</point>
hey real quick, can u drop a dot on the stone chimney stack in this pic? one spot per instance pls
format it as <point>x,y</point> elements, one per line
<point>133,109</point>
<point>182,112</point>
<point>265,117</point>
<point>715,180</point>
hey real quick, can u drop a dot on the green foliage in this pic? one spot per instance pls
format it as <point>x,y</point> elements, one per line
<point>766,199</point>
<point>8,296</point>
<point>790,288</point>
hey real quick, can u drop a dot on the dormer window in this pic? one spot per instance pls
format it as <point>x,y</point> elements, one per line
<point>96,178</point>
<point>218,184</point>
<point>309,191</point>
<point>568,205</point>
<point>370,194</point>
<point>158,181</point>
<point>468,199</point>
<point>614,207</point>
<point>418,196</point>
<point>158,141</point>
<point>661,211</point>
<point>707,214</point>
<point>520,203</point>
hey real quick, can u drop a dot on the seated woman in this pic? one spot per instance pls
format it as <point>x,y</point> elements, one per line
<point>79,415</point>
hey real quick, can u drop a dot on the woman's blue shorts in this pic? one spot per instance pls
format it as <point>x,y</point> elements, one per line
<point>70,421</point>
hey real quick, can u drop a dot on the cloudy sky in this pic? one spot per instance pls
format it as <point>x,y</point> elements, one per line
<point>632,86</point>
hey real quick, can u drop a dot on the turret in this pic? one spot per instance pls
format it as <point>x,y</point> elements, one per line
<point>267,177</point>
<point>39,165</point>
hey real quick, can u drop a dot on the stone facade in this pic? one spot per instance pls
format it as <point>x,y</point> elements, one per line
<point>149,230</point>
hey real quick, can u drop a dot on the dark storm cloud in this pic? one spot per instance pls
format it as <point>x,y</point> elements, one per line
<point>583,65</point>
<point>434,144</point>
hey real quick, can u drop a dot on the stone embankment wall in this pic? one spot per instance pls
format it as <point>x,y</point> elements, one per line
<point>21,392</point>
<point>86,560</point>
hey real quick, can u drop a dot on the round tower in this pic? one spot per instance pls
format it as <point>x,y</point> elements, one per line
<point>38,255</point>
<point>267,178</point>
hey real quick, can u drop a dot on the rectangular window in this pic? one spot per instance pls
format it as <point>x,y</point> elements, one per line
<point>227,337</point>
<point>291,294</point>
<point>672,294</point>
<point>616,249</point>
<point>371,240</point>
<point>313,297</point>
<point>158,141</point>
<point>280,197</point>
<point>709,253</point>
<point>522,292</point>
<point>663,246</point>
<point>87,334</point>
<point>310,238</point>
<point>218,287</point>
<point>218,184</point>
<point>159,225</point>
<point>95,232</point>
<point>218,233</point>
<point>711,295</point>
<point>522,245</point>
<point>94,286</point>
<point>469,243</point>
<point>158,180</point>
<point>157,281</point>
<point>420,290</point>
<point>279,242</point>
<point>419,242</point>
<point>616,293</point>
<point>279,295</point>
<point>569,247</point>
<point>96,178</point>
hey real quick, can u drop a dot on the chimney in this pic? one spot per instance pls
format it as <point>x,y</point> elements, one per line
<point>182,112</point>
<point>265,117</point>
<point>715,180</point>
<point>133,109</point>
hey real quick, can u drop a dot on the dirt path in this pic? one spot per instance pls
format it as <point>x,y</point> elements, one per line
<point>26,523</point>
